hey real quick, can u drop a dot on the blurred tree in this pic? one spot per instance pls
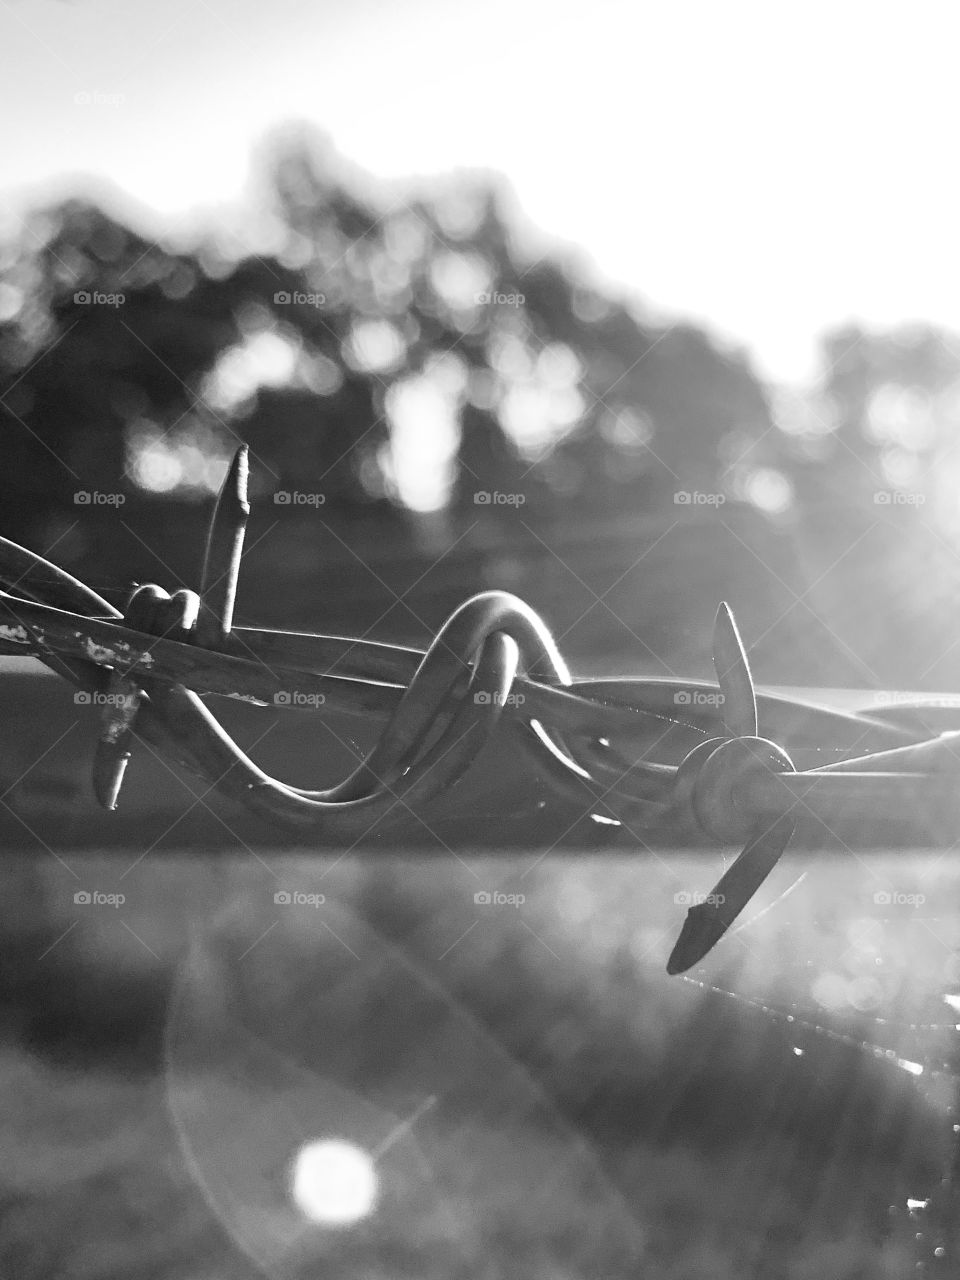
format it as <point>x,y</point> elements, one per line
<point>562,390</point>
<point>883,419</point>
<point>870,451</point>
<point>401,354</point>
<point>111,331</point>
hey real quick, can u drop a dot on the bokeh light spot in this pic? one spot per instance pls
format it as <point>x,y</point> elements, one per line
<point>334,1182</point>
<point>830,991</point>
<point>769,490</point>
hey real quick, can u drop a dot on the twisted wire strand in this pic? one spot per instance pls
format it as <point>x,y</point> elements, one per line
<point>493,663</point>
<point>426,744</point>
<point>440,714</point>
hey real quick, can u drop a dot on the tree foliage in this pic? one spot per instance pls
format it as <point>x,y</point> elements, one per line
<point>125,363</point>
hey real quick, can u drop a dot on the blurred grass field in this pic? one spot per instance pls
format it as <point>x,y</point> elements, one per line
<point>585,1115</point>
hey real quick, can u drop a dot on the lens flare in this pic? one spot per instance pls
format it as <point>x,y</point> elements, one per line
<point>334,1182</point>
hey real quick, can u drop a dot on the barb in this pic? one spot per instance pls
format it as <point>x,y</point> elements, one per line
<point>733,676</point>
<point>656,753</point>
<point>221,561</point>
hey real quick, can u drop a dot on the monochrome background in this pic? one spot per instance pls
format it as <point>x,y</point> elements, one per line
<point>626,309</point>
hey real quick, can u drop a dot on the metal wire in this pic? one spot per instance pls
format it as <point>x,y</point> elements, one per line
<point>658,753</point>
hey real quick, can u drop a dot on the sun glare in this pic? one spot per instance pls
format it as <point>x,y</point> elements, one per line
<point>423,442</point>
<point>334,1182</point>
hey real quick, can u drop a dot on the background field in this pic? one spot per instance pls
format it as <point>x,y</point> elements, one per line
<point>585,1115</point>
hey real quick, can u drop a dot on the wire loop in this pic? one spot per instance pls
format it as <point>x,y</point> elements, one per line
<point>493,667</point>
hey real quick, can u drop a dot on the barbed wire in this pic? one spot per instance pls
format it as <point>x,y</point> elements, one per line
<point>654,754</point>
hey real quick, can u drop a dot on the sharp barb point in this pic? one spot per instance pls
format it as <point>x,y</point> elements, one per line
<point>109,767</point>
<point>224,549</point>
<point>113,746</point>
<point>707,922</point>
<point>739,707</point>
<point>702,930</point>
<point>238,476</point>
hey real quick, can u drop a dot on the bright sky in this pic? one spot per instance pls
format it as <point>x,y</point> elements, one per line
<point>769,168</point>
